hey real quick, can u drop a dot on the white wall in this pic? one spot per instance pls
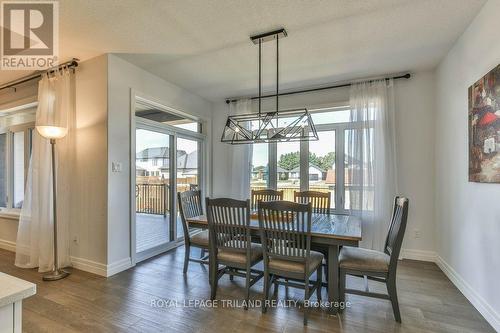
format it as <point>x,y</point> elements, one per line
<point>468,214</point>
<point>414,100</point>
<point>123,76</point>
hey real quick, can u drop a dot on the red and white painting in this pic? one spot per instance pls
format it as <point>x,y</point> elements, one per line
<point>484,128</point>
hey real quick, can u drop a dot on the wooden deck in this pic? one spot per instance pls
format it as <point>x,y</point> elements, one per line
<point>123,303</point>
<point>151,231</point>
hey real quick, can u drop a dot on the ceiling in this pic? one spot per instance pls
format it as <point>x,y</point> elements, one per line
<point>204,46</point>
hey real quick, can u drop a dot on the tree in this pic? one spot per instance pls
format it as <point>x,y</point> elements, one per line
<point>326,162</point>
<point>289,161</point>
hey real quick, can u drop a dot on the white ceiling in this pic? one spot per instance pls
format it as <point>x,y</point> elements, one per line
<point>204,46</point>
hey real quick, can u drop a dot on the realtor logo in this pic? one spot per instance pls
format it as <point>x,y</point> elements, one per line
<point>30,35</point>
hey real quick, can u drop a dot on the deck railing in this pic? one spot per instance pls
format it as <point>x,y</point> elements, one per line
<point>152,199</point>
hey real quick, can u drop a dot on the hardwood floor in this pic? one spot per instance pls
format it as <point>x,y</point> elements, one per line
<point>123,303</point>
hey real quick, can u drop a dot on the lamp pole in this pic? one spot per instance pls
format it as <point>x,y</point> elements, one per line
<point>56,274</point>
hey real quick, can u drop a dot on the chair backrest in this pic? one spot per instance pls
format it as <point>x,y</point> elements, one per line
<point>189,206</point>
<point>285,229</point>
<point>320,201</point>
<point>265,195</point>
<point>397,229</point>
<point>228,224</point>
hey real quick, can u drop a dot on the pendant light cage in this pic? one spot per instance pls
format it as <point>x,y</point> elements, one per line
<point>274,126</point>
<point>281,126</point>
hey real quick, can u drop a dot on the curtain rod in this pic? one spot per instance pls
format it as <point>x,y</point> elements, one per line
<point>70,64</point>
<point>405,76</point>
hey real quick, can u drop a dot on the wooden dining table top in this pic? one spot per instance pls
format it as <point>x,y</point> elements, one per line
<point>334,226</point>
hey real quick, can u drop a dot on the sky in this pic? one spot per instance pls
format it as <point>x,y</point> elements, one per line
<point>322,147</point>
<point>149,139</point>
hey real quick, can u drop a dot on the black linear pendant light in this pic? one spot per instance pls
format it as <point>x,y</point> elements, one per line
<point>273,126</point>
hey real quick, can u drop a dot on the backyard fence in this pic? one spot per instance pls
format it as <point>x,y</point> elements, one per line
<point>152,198</point>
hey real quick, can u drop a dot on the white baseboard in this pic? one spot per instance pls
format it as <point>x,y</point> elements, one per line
<point>99,268</point>
<point>477,300</point>
<point>119,266</point>
<point>419,255</point>
<point>89,266</point>
<point>8,245</point>
<point>84,264</point>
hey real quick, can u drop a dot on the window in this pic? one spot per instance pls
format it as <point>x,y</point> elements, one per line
<point>157,114</point>
<point>15,149</point>
<point>259,178</point>
<point>321,165</point>
<point>288,169</point>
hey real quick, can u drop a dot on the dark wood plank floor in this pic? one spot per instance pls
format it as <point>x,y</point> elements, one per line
<point>123,303</point>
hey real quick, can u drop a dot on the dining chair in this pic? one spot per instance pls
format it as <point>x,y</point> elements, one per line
<point>285,229</point>
<point>375,265</point>
<point>231,244</point>
<point>190,206</point>
<point>320,201</point>
<point>265,195</point>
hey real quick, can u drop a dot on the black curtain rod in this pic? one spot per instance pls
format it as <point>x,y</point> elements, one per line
<point>70,64</point>
<point>405,76</point>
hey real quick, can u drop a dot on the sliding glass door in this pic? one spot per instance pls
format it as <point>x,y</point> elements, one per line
<point>152,190</point>
<point>187,171</point>
<point>169,155</point>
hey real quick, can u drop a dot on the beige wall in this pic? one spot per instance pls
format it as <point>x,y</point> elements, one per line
<point>89,207</point>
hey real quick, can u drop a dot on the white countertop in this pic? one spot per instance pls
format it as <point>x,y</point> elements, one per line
<point>13,289</point>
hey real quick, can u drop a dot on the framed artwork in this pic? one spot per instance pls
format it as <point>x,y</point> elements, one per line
<point>484,128</point>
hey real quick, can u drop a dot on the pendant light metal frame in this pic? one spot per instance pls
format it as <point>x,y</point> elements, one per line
<point>300,127</point>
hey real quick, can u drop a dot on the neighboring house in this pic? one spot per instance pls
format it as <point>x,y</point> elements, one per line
<point>282,173</point>
<point>315,173</point>
<point>156,162</point>
<point>187,164</point>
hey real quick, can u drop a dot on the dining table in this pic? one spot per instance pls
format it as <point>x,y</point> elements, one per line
<point>328,231</point>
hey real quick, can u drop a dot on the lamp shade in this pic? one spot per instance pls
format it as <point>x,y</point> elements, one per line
<point>52,132</point>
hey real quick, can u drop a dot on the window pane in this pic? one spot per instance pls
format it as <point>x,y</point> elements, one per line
<point>322,164</point>
<point>331,116</point>
<point>359,186</point>
<point>18,169</point>
<point>288,168</point>
<point>3,170</point>
<point>152,189</point>
<point>260,166</point>
<point>187,171</point>
<point>161,116</point>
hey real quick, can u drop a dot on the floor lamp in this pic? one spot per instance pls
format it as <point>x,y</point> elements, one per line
<point>53,133</point>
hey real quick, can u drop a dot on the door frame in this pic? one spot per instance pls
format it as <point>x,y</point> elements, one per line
<point>174,132</point>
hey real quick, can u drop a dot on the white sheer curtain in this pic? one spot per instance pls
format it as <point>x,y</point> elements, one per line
<point>371,157</point>
<point>241,156</point>
<point>34,247</point>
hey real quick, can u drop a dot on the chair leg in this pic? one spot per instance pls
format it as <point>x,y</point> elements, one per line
<point>231,276</point>
<point>391,288</point>
<point>266,291</point>
<point>319,282</point>
<point>247,289</point>
<point>186,257</point>
<point>306,297</point>
<point>202,253</point>
<point>213,280</point>
<point>342,285</point>
<point>276,288</point>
